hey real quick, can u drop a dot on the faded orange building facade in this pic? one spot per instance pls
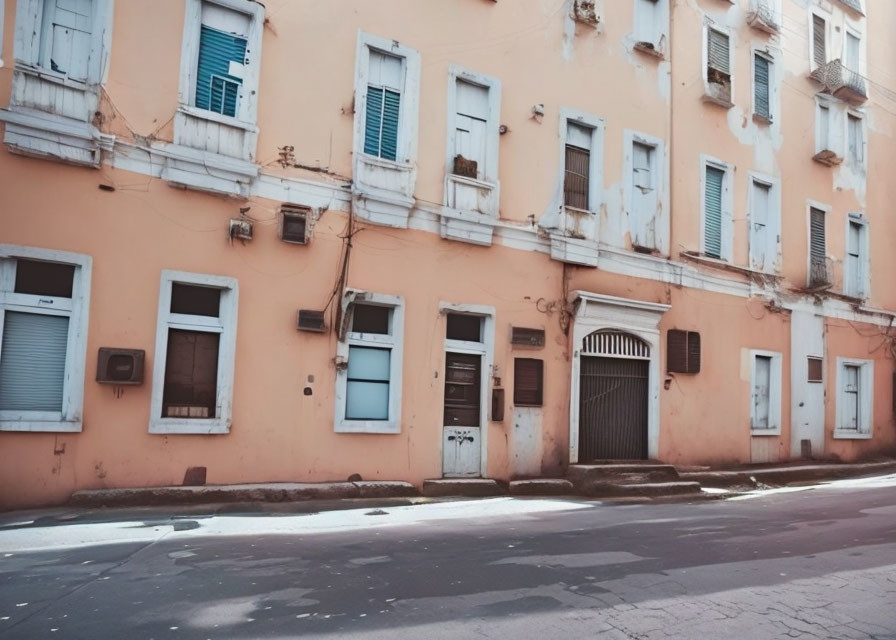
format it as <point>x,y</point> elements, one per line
<point>296,242</point>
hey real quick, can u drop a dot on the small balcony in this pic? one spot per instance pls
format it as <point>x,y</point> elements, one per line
<point>841,82</point>
<point>763,16</point>
<point>820,274</point>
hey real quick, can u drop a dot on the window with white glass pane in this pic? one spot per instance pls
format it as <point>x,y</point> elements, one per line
<point>43,308</point>
<point>368,391</point>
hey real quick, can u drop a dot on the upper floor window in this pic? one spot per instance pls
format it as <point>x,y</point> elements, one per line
<point>383,111</point>
<point>855,269</point>
<point>717,73</point>
<point>577,167</point>
<point>763,72</point>
<point>651,26</point>
<point>717,240</point>
<point>855,141</point>
<point>818,41</point>
<point>65,37</point>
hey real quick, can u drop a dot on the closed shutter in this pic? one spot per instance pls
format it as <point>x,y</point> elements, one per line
<point>819,40</point>
<point>69,32</point>
<point>216,89</point>
<point>712,223</point>
<point>852,52</point>
<point>719,54</point>
<point>817,250</point>
<point>32,362</point>
<point>761,86</point>
<point>682,351</point>
<point>383,106</point>
<point>367,387</point>
<point>528,382</point>
<point>854,140</point>
<point>853,260</point>
<point>824,127</point>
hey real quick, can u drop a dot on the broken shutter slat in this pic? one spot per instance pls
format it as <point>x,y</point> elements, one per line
<point>719,52</point>
<point>819,40</point>
<point>713,214</point>
<point>761,85</point>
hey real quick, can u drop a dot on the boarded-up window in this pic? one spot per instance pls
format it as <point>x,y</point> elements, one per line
<point>762,376</point>
<point>682,351</point>
<point>65,37</point>
<point>191,374</point>
<point>578,165</point>
<point>462,389</point>
<point>815,369</point>
<point>712,215</point>
<point>471,125</point>
<point>528,382</point>
<point>817,247</point>
<point>819,40</point>
<point>760,239</point>
<point>383,105</point>
<point>762,86</point>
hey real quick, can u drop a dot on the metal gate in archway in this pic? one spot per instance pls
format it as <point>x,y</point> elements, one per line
<point>613,393</point>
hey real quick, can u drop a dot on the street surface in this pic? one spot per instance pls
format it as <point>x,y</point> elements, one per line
<point>819,562</point>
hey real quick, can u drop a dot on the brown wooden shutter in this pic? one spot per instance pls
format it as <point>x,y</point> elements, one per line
<point>191,375</point>
<point>815,367</point>
<point>575,181</point>
<point>528,382</point>
<point>682,351</point>
<point>819,39</point>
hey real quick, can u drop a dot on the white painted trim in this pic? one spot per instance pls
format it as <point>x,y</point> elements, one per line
<point>864,257</point>
<point>596,312</point>
<point>727,205</point>
<point>866,399</point>
<point>395,342</point>
<point>774,393</point>
<point>70,419</point>
<point>227,322</point>
<point>660,176</point>
<point>487,349</point>
<point>773,227</point>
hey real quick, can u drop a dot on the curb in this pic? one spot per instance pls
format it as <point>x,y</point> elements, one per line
<point>787,475</point>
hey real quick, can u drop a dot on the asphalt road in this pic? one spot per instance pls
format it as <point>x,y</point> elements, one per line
<point>818,563</point>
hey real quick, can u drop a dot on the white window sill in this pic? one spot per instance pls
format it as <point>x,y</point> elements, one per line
<point>473,182</point>
<point>765,432</point>
<point>576,211</point>
<point>51,76</point>
<point>650,49</point>
<point>367,426</point>
<point>710,96</point>
<point>848,434</point>
<point>46,426</point>
<point>187,426</point>
<point>220,118</point>
<point>384,163</point>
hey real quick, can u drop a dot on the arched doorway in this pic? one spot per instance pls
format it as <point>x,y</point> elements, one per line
<point>614,378</point>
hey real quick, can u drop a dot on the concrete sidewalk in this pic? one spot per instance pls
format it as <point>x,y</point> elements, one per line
<point>747,478</point>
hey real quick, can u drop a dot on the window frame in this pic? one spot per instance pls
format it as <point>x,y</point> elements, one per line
<point>826,210</point>
<point>774,216</point>
<point>225,324</point>
<point>394,342</point>
<point>850,29</point>
<point>660,37</point>
<point>774,393</point>
<point>824,15</point>
<point>770,57</point>
<point>70,419</point>
<point>408,113</point>
<point>493,86</point>
<point>595,160</point>
<point>727,222</point>
<point>540,402</point>
<point>849,161</point>
<point>865,430</point>
<point>864,257</point>
<point>708,95</point>
<point>247,109</point>
<point>659,175</point>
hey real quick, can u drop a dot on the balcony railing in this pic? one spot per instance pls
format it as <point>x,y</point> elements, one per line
<point>841,82</point>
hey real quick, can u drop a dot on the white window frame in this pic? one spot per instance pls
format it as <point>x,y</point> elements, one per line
<point>827,17</point>
<point>485,348</point>
<point>395,342</point>
<point>70,419</point>
<point>774,392</point>
<point>727,205</point>
<point>660,178</point>
<point>864,257</point>
<point>660,37</point>
<point>863,127</point>
<point>772,58</point>
<point>596,154</point>
<point>773,227</point>
<point>493,86</point>
<point>865,399</point>
<point>247,109</point>
<point>408,114</point>
<point>732,43</point>
<point>224,324</point>
<point>859,34</point>
<point>826,208</point>
<point>835,134</point>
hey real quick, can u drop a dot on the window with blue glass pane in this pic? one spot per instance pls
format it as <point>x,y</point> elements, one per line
<point>220,55</point>
<point>367,389</point>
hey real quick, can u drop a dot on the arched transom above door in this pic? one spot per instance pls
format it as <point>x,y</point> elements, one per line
<point>615,344</point>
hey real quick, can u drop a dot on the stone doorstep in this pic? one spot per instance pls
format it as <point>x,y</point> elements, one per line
<point>582,475</point>
<point>787,475</point>
<point>268,492</point>
<point>542,487</point>
<point>465,487</point>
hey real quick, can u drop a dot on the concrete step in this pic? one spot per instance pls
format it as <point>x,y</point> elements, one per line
<point>788,474</point>
<point>582,474</point>
<point>649,490</point>
<point>541,487</point>
<point>467,487</point>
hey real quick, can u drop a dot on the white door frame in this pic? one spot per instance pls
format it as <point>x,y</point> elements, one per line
<point>596,312</point>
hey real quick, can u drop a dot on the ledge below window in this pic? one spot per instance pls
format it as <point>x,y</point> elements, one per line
<point>845,434</point>
<point>571,250</point>
<point>174,426</point>
<point>650,49</point>
<point>54,137</point>
<point>41,426</point>
<point>197,169</point>
<point>382,191</point>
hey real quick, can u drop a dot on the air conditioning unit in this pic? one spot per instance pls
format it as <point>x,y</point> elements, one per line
<point>310,320</point>
<point>294,224</point>
<point>240,228</point>
<point>120,366</point>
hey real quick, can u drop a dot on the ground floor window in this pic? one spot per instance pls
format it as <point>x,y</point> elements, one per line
<point>855,381</point>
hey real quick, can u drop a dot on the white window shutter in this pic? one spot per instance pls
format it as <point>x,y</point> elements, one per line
<point>32,361</point>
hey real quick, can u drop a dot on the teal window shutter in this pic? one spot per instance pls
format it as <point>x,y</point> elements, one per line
<point>216,89</point>
<point>761,87</point>
<point>712,216</point>
<point>381,125</point>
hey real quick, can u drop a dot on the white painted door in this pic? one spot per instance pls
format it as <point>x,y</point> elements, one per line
<point>761,386</point>
<point>644,196</point>
<point>461,452</point>
<point>807,397</point>
<point>759,228</point>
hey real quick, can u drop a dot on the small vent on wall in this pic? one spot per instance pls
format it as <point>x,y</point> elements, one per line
<point>294,224</point>
<point>120,366</point>
<point>525,337</point>
<point>682,351</point>
<point>310,320</point>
